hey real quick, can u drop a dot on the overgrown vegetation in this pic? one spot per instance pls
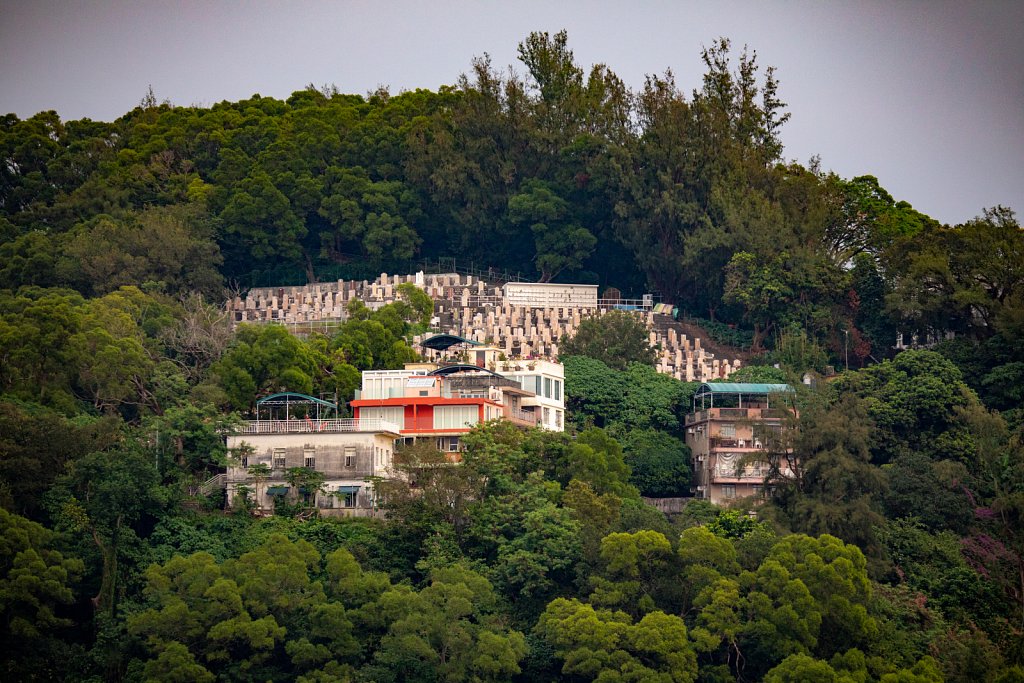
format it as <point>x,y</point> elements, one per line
<point>894,553</point>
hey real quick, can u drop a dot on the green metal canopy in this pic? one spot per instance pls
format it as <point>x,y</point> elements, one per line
<point>277,490</point>
<point>287,399</point>
<point>738,388</point>
<point>348,489</point>
<point>443,342</point>
<point>729,390</point>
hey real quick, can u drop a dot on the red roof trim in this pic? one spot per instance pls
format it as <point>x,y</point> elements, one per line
<point>421,401</point>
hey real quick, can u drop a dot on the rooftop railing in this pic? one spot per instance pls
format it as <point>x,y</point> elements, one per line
<point>341,425</point>
<point>541,301</point>
<point>751,413</point>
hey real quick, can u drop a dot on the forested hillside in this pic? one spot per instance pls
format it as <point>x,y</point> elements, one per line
<point>894,552</point>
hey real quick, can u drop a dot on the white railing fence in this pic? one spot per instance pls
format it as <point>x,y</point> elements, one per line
<point>310,426</point>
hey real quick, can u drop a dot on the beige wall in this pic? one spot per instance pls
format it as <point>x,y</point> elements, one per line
<point>717,451</point>
<point>295,445</point>
<point>372,456</point>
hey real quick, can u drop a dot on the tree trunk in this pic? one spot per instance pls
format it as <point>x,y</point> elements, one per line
<point>310,275</point>
<point>113,567</point>
<point>107,596</point>
<point>755,345</point>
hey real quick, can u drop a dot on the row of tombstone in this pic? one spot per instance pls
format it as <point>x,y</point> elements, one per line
<point>472,308</point>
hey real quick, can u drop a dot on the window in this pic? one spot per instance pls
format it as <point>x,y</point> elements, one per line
<point>547,387</point>
<point>350,456</point>
<point>455,417</point>
<point>758,491</point>
<point>348,496</point>
<point>448,443</point>
<point>309,458</point>
<point>558,419</point>
<point>729,490</point>
<point>245,462</point>
<point>558,390</point>
<point>546,416</point>
<point>279,458</point>
<point>727,429</point>
<point>394,414</point>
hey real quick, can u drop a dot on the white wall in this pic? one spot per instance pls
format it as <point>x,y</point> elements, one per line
<point>549,295</point>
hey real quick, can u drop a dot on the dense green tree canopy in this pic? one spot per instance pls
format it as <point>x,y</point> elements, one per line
<point>889,549</point>
<point>615,338</point>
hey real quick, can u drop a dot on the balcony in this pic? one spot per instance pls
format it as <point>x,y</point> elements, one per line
<point>754,414</point>
<point>333,461</point>
<point>523,418</point>
<point>338,426</point>
<point>732,443</point>
<point>730,413</point>
<point>744,476</point>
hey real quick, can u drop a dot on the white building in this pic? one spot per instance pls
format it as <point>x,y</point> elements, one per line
<point>546,379</point>
<point>550,295</point>
<point>422,397</point>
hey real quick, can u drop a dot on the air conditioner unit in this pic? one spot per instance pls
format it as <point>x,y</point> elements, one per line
<point>690,430</point>
<point>701,488</point>
<point>700,458</point>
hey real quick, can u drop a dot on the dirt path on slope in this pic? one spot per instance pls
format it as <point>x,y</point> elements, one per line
<point>692,331</point>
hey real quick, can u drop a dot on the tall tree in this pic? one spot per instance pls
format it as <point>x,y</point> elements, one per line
<point>561,243</point>
<point>103,495</point>
<point>616,339</point>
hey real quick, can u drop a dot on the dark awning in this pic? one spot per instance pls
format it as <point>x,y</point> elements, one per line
<point>348,489</point>
<point>443,342</point>
<point>460,367</point>
<point>277,490</point>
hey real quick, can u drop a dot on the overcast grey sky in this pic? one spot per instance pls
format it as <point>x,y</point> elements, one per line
<point>928,96</point>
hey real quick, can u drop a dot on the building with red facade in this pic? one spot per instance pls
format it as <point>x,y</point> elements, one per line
<point>445,401</point>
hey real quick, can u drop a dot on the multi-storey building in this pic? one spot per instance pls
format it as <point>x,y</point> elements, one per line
<point>350,454</point>
<point>443,401</point>
<point>731,432</point>
<point>546,380</point>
